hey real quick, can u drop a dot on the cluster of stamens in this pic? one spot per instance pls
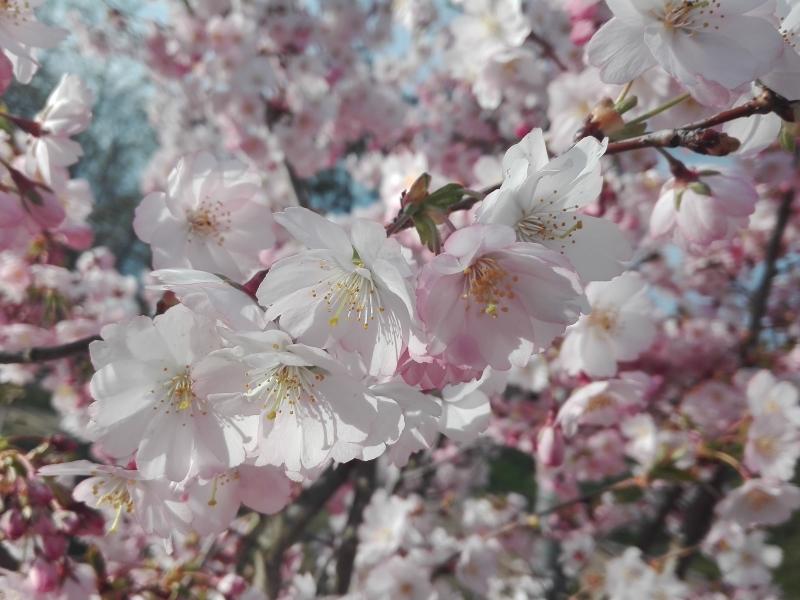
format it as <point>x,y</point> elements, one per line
<point>600,402</point>
<point>209,220</point>
<point>690,15</point>
<point>603,319</point>
<point>547,224</point>
<point>283,388</point>
<point>350,296</point>
<point>489,285</point>
<point>758,499</point>
<point>16,10</point>
<point>116,496</point>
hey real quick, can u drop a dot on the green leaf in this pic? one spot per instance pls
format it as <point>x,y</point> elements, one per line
<point>787,137</point>
<point>428,232</point>
<point>445,196</point>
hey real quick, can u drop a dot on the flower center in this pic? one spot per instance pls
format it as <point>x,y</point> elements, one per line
<point>283,387</point>
<point>599,402</point>
<point>114,493</point>
<point>351,296</point>
<point>14,9</point>
<point>603,319</point>
<point>680,14</point>
<point>489,285</point>
<point>547,227</point>
<point>766,446</point>
<point>179,390</point>
<point>758,499</point>
<point>209,220</point>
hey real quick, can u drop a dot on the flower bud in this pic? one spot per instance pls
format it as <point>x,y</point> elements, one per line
<point>54,546</point>
<point>12,524</point>
<point>606,118</point>
<point>550,445</point>
<point>43,576</point>
<point>232,585</point>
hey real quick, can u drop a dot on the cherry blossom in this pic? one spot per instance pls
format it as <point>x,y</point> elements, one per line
<point>347,293</point>
<point>540,199</point>
<point>154,393</point>
<point>618,328</point>
<point>189,225</point>
<point>710,47</point>
<point>486,286</point>
<point>695,214</point>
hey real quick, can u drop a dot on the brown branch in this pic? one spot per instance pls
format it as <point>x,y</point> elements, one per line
<point>700,509</point>
<point>758,303</point>
<point>299,516</point>
<point>699,136</point>
<point>364,487</point>
<point>45,353</point>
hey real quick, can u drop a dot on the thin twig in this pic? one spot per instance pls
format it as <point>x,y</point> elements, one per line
<point>45,353</point>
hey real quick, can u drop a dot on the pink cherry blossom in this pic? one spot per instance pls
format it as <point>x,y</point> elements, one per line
<point>488,295</point>
<point>190,224</point>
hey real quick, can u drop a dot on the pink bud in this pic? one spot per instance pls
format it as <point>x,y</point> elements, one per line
<point>54,546</point>
<point>38,493</point>
<point>550,445</point>
<point>12,524</point>
<point>43,576</point>
<point>232,585</point>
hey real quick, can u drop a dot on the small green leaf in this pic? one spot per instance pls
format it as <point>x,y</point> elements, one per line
<point>428,232</point>
<point>446,196</point>
<point>698,187</point>
<point>787,137</point>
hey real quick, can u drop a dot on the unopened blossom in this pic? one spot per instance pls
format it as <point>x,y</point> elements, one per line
<point>347,292</point>
<point>600,403</point>
<point>643,440</point>
<point>541,199</point>
<point>618,328</point>
<point>760,502</point>
<point>67,113</point>
<point>154,395</point>
<point>311,409</point>
<point>21,33</point>
<point>696,213</point>
<point>213,217</point>
<point>773,447</point>
<point>488,295</point>
<point>550,445</point>
<point>152,503</point>
<point>711,46</point>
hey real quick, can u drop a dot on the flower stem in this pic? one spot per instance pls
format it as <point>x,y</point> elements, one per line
<point>659,109</point>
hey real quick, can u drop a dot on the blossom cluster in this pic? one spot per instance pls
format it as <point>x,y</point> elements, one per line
<point>556,357</point>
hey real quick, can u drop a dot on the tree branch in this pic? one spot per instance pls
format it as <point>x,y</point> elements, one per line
<point>299,515</point>
<point>758,303</point>
<point>699,136</point>
<point>45,353</point>
<point>364,487</point>
<point>700,510</point>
